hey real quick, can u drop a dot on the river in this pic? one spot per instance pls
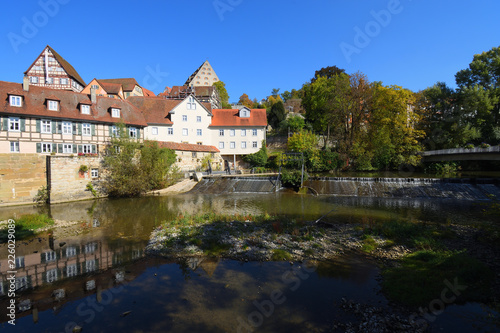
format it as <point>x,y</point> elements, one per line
<point>101,280</point>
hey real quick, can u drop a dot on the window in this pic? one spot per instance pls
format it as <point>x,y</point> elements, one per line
<point>94,173</point>
<point>90,247</point>
<point>198,119</point>
<point>19,262</point>
<point>184,118</point>
<point>221,145</point>
<point>232,144</point>
<point>221,132</point>
<point>15,101</point>
<point>21,283</point>
<point>70,251</point>
<point>14,125</point>
<point>51,275</point>
<point>86,149</point>
<point>94,86</point>
<point>191,105</point>
<point>244,113</point>
<point>85,109</point>
<point>71,270</point>
<point>67,127</point>
<point>170,131</point>
<point>86,129</point>
<point>53,105</point>
<point>90,265</point>
<point>199,143</point>
<point>46,147</point>
<point>254,144</point>
<point>132,132</point>
<point>115,113</point>
<point>184,131</point>
<point>243,132</point>
<point>14,146</point>
<point>67,148</point>
<point>154,130</point>
<point>49,80</point>
<point>46,126</point>
<point>232,132</point>
<point>75,85</point>
<point>194,154</point>
<point>50,256</point>
<point>33,79</point>
<point>114,131</point>
<point>254,132</point>
<point>64,82</point>
<point>243,144</point>
<point>199,132</point>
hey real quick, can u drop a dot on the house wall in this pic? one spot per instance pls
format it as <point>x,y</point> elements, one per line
<point>238,138</point>
<point>162,133</point>
<point>187,162</point>
<point>66,182</point>
<point>21,176</point>
<point>191,124</point>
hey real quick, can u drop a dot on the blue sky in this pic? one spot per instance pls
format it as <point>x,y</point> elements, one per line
<point>253,45</point>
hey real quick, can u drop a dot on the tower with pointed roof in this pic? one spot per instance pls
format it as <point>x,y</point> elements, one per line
<point>203,76</point>
<point>53,71</point>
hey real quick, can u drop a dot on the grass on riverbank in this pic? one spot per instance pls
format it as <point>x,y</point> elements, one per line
<point>27,225</point>
<point>424,275</point>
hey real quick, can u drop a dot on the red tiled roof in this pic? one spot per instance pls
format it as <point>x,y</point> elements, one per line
<point>127,83</point>
<point>188,147</point>
<point>231,118</point>
<point>155,110</point>
<point>53,98</point>
<point>66,65</point>
<point>148,93</point>
<point>34,105</point>
<point>110,88</point>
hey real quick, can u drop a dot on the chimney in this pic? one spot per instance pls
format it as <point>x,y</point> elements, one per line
<point>26,83</point>
<point>93,96</point>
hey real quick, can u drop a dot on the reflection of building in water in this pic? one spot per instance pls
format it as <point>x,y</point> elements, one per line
<point>48,266</point>
<point>68,273</point>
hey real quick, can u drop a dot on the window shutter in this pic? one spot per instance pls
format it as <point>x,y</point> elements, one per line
<point>79,148</point>
<point>39,147</point>
<point>5,124</point>
<point>59,148</point>
<point>74,149</point>
<point>94,150</point>
<point>74,128</point>
<point>110,130</point>
<point>38,125</point>
<point>92,128</point>
<point>79,128</point>
<point>54,147</point>
<point>23,124</point>
<point>59,127</point>
<point>53,124</point>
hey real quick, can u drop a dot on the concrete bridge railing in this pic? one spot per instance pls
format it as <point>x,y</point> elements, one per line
<point>463,154</point>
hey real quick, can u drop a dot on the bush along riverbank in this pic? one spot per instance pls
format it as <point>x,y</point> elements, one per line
<point>418,260</point>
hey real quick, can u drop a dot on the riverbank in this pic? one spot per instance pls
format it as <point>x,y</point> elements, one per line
<point>415,257</point>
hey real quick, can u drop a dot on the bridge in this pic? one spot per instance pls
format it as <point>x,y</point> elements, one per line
<point>462,154</point>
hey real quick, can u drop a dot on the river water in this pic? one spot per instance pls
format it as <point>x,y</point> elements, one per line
<point>102,281</point>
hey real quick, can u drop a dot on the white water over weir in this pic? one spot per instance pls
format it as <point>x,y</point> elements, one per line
<point>428,188</point>
<point>424,188</point>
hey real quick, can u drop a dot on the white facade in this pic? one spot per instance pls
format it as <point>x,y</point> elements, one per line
<point>238,140</point>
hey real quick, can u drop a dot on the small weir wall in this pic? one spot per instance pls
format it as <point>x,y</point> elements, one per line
<point>221,185</point>
<point>429,188</point>
<point>424,188</point>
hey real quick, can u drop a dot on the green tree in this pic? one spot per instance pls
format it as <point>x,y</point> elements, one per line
<point>223,95</point>
<point>294,123</point>
<point>302,141</point>
<point>276,114</point>
<point>133,168</point>
<point>258,159</point>
<point>479,88</point>
<point>327,72</point>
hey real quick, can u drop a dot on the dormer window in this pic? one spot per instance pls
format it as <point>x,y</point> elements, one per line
<point>244,113</point>
<point>94,86</point>
<point>115,113</point>
<point>53,105</point>
<point>15,101</point>
<point>85,109</point>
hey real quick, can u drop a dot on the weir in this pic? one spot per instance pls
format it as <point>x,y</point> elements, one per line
<point>219,185</point>
<point>426,188</point>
